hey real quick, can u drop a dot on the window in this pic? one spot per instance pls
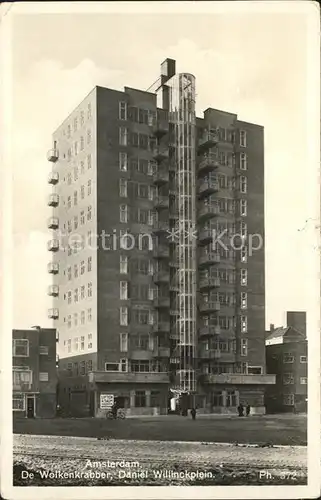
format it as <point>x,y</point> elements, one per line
<point>75,124</point>
<point>89,365</point>
<point>111,367</point>
<point>123,213</point>
<point>21,348</point>
<point>140,399</point>
<point>243,229</point>
<point>69,202</point>
<point>243,254</point>
<point>18,402</point>
<point>123,188</point>
<point>21,375</point>
<point>217,398</point>
<point>43,350</point>
<point>75,222</point>
<point>88,161</point>
<point>88,136</point>
<point>89,187</point>
<point>231,398</point>
<point>255,370</point>
<point>82,217</point>
<point>123,290</point>
<point>75,198</point>
<point>69,179</point>
<point>123,342</point>
<point>152,192</point>
<point>89,264</point>
<point>140,366</point>
<point>89,315</point>
<point>75,319</point>
<point>69,345</point>
<point>82,143</point>
<point>82,343</point>
<point>89,214</point>
<point>288,399</point>
<point>82,267</point>
<point>243,277</point>
<point>288,378</point>
<point>123,110</point>
<point>123,313</point>
<point>82,368</point>
<point>89,111</point>
<point>82,315</point>
<point>123,162</point>
<point>243,300</point>
<point>76,295</point>
<point>243,324</point>
<point>303,380</point>
<point>123,264</point>
<point>243,347</point>
<point>303,359</point>
<point>82,192</point>
<point>68,131</point>
<point>90,338</point>
<point>90,289</point>
<point>288,357</point>
<point>76,148</point>
<point>69,319</point>
<point>69,228</point>
<point>123,365</point>
<point>76,343</point>
<point>123,136</point>
<point>243,138</point>
<point>243,208</point>
<point>69,297</point>
<point>43,376</point>
<point>155,399</point>
<point>243,161</point>
<point>243,184</point>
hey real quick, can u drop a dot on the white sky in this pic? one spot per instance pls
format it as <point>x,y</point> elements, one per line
<point>253,64</point>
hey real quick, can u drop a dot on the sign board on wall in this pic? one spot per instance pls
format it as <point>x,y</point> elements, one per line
<point>106,400</point>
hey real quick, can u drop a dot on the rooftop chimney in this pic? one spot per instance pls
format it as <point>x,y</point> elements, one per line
<point>272,327</point>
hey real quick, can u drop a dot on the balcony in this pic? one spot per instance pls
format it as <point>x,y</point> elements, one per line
<point>209,331</point>
<point>161,303</point>
<point>162,352</point>
<point>138,353</point>
<point>210,354</point>
<point>207,165</point>
<point>160,227</point>
<point>205,236</point>
<point>53,178</point>
<point>208,140</point>
<point>174,286</point>
<point>208,259</point>
<point>53,268</point>
<point>53,245</point>
<point>161,202</point>
<point>161,277</point>
<point>160,154</point>
<point>53,313</point>
<point>209,283</point>
<point>207,212</point>
<point>238,378</point>
<point>53,200</point>
<point>161,177</point>
<point>160,128</point>
<point>161,252</point>
<point>53,290</point>
<point>207,188</point>
<point>129,377</point>
<point>53,155</point>
<point>209,307</point>
<point>53,223</point>
<point>161,327</point>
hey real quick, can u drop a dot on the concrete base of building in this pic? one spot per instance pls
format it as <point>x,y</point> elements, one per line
<point>129,412</point>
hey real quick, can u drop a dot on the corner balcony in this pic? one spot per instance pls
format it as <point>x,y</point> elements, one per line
<point>205,236</point>
<point>160,178</point>
<point>53,155</point>
<point>53,178</point>
<point>161,252</point>
<point>209,283</point>
<point>161,327</point>
<point>53,200</point>
<point>209,259</point>
<point>161,202</point>
<point>209,331</point>
<point>160,154</point>
<point>53,223</point>
<point>210,354</point>
<point>129,377</point>
<point>207,165</point>
<point>207,188</point>
<point>53,245</point>
<point>239,379</point>
<point>161,303</point>
<point>161,352</point>
<point>53,268</point>
<point>209,307</point>
<point>53,313</point>
<point>161,277</point>
<point>160,227</point>
<point>160,128</point>
<point>208,140</point>
<point>207,212</point>
<point>53,290</point>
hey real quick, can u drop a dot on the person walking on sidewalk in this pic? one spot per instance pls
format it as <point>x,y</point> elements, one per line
<point>193,413</point>
<point>248,410</point>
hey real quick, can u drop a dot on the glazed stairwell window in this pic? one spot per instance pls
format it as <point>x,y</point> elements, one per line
<point>123,136</point>
<point>243,138</point>
<point>123,110</point>
<point>123,316</point>
<point>243,161</point>
<point>123,162</point>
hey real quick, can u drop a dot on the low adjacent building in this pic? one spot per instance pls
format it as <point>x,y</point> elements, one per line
<point>34,374</point>
<point>287,357</point>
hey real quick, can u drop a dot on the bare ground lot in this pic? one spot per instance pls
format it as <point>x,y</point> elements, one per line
<point>269,429</point>
<point>223,464</point>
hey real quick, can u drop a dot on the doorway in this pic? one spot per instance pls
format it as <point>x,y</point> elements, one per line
<point>31,410</point>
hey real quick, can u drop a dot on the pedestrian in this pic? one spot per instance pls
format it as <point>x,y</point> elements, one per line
<point>193,413</point>
<point>248,410</point>
<point>114,410</point>
<point>240,409</point>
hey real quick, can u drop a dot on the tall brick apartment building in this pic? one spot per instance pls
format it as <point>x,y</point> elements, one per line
<point>34,374</point>
<point>181,309</point>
